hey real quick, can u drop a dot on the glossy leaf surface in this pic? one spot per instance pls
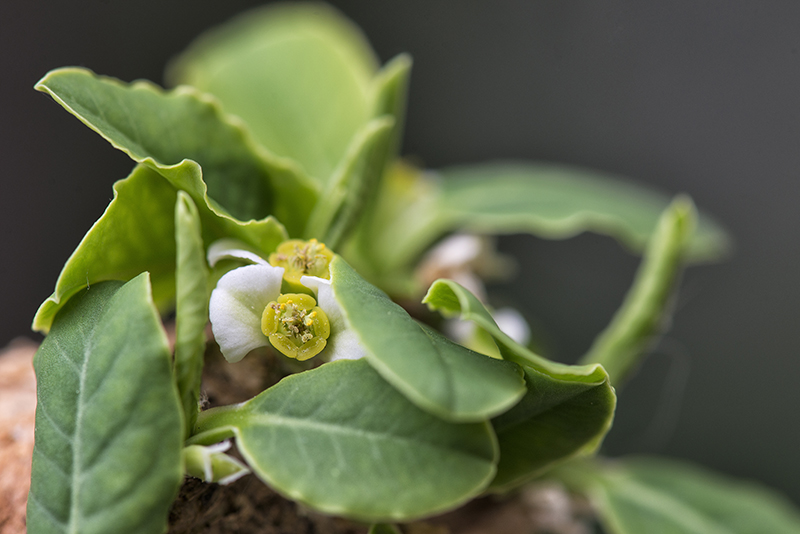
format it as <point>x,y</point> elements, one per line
<point>566,411</point>
<point>108,418</point>
<point>436,374</point>
<point>371,455</point>
<point>669,497</point>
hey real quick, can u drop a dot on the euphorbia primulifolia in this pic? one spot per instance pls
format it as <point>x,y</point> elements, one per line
<point>286,302</point>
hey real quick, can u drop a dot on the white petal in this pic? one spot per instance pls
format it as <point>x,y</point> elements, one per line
<point>232,249</point>
<point>343,343</point>
<point>511,322</point>
<point>237,304</point>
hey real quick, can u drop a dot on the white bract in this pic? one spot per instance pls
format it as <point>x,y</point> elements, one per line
<point>238,304</point>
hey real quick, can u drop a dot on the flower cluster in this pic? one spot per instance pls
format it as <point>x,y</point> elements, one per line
<point>287,303</point>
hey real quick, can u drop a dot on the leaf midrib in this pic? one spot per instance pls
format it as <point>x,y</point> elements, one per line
<point>74,512</point>
<point>294,423</point>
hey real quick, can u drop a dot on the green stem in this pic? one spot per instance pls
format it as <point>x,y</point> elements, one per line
<point>646,309</point>
<point>216,424</point>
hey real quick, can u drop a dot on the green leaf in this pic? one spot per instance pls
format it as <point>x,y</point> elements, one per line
<point>353,184</point>
<point>666,497</point>
<point>547,200</point>
<point>436,374</point>
<point>341,440</point>
<point>136,234</point>
<point>108,418</point>
<point>300,75</point>
<point>179,132</point>
<point>646,309</point>
<point>566,411</point>
<point>451,299</point>
<point>391,92</point>
<point>556,420</point>
<point>191,315</point>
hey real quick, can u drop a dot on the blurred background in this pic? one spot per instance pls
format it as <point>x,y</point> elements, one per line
<point>696,97</point>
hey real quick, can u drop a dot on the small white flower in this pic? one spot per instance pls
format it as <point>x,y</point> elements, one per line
<point>248,311</point>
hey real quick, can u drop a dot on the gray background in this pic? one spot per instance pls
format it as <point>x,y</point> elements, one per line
<point>697,97</point>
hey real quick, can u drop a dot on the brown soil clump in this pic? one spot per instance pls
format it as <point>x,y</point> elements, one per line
<point>17,415</point>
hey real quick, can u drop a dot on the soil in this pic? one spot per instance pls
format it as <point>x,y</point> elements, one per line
<point>248,506</point>
<point>17,408</point>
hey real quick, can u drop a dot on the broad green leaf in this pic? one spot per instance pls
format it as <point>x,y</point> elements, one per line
<point>341,440</point>
<point>136,234</point>
<point>547,200</point>
<point>668,497</point>
<point>299,74</point>
<point>647,306</point>
<point>191,312</point>
<point>436,374</point>
<point>353,184</point>
<point>556,420</point>
<point>566,411</point>
<point>185,137</point>
<point>108,419</point>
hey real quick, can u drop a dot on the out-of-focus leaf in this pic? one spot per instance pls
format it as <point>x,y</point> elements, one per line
<point>108,417</point>
<point>343,441</point>
<point>299,74</point>
<point>353,185</point>
<point>669,497</point>
<point>547,200</point>
<point>383,528</point>
<point>646,309</point>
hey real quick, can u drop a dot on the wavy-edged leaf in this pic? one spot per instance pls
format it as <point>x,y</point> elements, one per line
<point>567,410</point>
<point>191,310</point>
<point>547,200</point>
<point>353,184</point>
<point>136,234</point>
<point>670,497</point>
<point>184,136</point>
<point>341,440</point>
<point>108,418</point>
<point>436,374</point>
<point>647,306</point>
